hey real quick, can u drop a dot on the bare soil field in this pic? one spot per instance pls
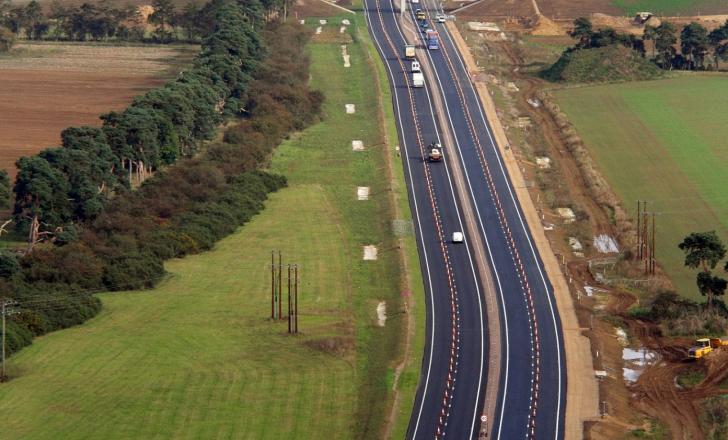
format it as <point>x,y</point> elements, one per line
<point>47,87</point>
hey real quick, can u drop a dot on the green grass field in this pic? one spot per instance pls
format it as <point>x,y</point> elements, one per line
<point>662,141</point>
<point>197,357</point>
<point>672,7</point>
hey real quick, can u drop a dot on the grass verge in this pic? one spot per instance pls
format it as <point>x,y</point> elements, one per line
<point>198,357</point>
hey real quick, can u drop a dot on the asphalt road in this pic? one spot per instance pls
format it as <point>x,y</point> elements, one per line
<point>532,382</point>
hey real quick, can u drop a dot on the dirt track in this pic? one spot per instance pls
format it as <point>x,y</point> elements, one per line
<point>46,88</point>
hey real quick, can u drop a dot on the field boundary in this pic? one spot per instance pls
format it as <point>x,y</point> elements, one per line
<point>582,394</point>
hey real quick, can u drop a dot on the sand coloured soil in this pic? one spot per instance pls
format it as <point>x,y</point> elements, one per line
<point>48,87</point>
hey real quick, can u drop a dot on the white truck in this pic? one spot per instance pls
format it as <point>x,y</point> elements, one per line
<point>418,79</point>
<point>415,67</point>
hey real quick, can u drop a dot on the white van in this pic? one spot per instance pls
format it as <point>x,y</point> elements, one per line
<point>418,80</point>
<point>457,237</point>
<point>415,2</point>
<point>415,67</point>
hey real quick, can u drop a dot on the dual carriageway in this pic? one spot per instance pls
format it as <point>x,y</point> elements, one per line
<point>494,364</point>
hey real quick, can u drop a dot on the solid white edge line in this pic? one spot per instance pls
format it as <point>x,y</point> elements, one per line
<point>490,254</point>
<point>476,411</point>
<point>470,258</point>
<point>557,328</point>
<point>414,200</point>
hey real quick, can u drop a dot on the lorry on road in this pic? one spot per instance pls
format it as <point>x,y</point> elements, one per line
<point>433,39</point>
<point>420,15</point>
<point>418,79</point>
<point>409,51</point>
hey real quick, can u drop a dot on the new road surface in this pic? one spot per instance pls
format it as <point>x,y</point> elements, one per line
<point>469,191</point>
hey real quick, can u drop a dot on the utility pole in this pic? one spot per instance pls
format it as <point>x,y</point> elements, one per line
<point>289,298</point>
<point>652,252</point>
<point>272,285</point>
<point>646,240</point>
<point>645,219</point>
<point>295,299</point>
<point>280,285</point>
<point>5,310</point>
<point>639,229</point>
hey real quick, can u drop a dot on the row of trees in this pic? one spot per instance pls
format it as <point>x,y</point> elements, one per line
<point>108,19</point>
<point>696,43</point>
<point>106,236</point>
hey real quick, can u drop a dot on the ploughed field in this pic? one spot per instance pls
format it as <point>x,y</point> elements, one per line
<point>665,142</point>
<point>49,86</point>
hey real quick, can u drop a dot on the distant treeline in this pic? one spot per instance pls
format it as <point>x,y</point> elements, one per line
<point>698,48</point>
<point>112,20</point>
<point>89,231</point>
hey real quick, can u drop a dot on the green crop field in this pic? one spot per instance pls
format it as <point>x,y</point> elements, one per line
<point>662,141</point>
<point>672,7</point>
<point>198,357</point>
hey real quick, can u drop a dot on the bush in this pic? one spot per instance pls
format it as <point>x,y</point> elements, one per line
<point>602,64</point>
<point>181,209</point>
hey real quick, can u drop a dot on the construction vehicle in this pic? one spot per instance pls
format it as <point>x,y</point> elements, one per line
<point>409,51</point>
<point>433,39</point>
<point>418,79</point>
<point>719,342</point>
<point>701,348</point>
<point>435,155</point>
<point>420,15</point>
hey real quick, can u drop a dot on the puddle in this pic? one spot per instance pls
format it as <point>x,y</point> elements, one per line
<point>635,361</point>
<point>605,244</point>
<point>381,313</point>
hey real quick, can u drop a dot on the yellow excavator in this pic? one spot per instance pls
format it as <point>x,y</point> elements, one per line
<point>703,346</point>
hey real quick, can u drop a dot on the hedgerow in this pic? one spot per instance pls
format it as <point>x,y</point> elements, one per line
<point>104,210</point>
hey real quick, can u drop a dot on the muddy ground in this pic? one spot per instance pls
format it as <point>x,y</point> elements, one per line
<point>47,87</point>
<point>655,404</point>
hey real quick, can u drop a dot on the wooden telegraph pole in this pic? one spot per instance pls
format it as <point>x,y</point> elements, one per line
<point>5,310</point>
<point>272,285</point>
<point>653,260</point>
<point>280,285</point>
<point>295,300</point>
<point>289,298</point>
<point>639,229</point>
